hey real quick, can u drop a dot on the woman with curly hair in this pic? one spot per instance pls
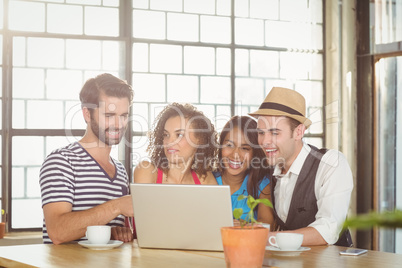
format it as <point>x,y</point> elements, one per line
<point>182,148</point>
<point>243,166</point>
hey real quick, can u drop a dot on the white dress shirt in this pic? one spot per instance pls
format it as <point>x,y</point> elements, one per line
<point>333,188</point>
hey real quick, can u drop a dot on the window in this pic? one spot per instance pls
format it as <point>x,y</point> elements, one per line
<point>184,52</point>
<point>388,91</point>
<point>221,55</point>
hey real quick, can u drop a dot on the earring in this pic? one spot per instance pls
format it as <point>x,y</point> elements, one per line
<point>194,165</point>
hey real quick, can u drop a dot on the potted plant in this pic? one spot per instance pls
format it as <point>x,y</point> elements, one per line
<point>2,225</point>
<point>244,245</point>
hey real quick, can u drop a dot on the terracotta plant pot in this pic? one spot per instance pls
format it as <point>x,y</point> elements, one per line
<point>2,229</point>
<point>244,247</point>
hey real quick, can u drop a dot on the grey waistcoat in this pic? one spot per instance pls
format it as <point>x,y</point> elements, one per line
<point>303,206</point>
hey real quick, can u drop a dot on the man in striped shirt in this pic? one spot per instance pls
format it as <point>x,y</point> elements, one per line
<point>81,184</point>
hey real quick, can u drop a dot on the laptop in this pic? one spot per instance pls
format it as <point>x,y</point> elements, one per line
<point>172,216</point>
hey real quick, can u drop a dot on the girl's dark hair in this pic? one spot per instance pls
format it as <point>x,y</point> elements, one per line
<point>259,168</point>
<point>204,131</point>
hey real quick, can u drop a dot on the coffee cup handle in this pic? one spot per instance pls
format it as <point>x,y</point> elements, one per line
<point>273,242</point>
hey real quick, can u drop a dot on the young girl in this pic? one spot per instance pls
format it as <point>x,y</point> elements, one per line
<point>243,166</point>
<point>182,148</point>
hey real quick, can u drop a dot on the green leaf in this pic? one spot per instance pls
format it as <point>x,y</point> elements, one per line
<point>241,197</point>
<point>390,219</point>
<point>237,212</point>
<point>250,201</point>
<point>266,202</point>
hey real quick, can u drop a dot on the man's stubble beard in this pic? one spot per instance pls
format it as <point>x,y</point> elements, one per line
<point>101,134</point>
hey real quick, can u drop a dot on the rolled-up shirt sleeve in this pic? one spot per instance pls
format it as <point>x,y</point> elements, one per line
<point>333,189</point>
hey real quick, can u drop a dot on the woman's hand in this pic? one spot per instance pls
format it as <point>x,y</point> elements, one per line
<point>122,233</point>
<point>236,222</point>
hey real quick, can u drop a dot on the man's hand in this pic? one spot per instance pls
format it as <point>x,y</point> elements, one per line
<point>64,225</point>
<point>125,206</point>
<point>122,233</point>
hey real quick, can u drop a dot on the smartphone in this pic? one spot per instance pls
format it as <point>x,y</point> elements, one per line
<point>353,251</point>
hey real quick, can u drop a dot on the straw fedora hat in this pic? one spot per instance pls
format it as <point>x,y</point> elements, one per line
<point>284,102</point>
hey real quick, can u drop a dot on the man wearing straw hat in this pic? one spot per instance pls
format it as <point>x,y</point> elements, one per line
<point>311,188</point>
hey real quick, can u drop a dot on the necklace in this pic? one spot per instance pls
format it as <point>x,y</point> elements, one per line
<point>166,176</point>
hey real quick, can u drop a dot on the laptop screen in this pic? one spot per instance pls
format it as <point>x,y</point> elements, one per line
<point>181,216</point>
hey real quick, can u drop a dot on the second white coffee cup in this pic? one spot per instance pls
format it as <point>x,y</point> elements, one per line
<point>286,241</point>
<point>98,234</point>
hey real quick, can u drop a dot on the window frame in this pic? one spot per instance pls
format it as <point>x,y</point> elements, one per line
<point>126,36</point>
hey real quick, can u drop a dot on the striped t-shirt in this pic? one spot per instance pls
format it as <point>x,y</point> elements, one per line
<point>70,174</point>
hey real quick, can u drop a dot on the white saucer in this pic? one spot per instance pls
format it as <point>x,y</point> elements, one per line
<point>110,245</point>
<point>272,248</point>
<point>279,251</point>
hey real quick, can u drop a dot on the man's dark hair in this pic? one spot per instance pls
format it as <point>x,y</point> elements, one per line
<point>293,123</point>
<point>109,85</point>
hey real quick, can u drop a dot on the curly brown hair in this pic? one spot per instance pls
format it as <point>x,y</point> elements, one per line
<point>206,155</point>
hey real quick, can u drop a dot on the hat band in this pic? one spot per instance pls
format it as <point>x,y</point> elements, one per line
<point>279,107</point>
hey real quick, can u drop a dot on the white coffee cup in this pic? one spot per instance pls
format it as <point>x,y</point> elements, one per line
<point>286,241</point>
<point>98,234</point>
